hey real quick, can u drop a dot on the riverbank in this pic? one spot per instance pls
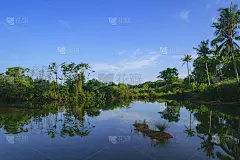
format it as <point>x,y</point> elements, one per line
<point>222,93</point>
<point>195,98</point>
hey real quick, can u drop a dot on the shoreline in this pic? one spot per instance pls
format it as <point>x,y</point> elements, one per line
<point>194,97</point>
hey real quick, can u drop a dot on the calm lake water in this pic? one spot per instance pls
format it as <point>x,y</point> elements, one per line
<point>78,133</point>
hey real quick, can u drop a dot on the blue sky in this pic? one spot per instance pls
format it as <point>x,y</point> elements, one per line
<point>113,36</point>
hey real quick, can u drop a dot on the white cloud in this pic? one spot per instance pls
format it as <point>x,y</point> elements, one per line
<point>130,64</point>
<point>105,67</point>
<point>122,52</point>
<point>65,24</point>
<point>132,54</point>
<point>185,15</point>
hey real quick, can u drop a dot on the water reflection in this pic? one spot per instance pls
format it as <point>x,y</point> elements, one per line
<point>217,128</point>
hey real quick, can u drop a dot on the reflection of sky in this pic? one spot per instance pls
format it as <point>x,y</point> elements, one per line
<point>139,111</point>
<point>118,122</point>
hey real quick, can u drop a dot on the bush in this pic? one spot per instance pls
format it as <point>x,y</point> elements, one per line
<point>199,87</point>
<point>161,127</point>
<point>226,92</point>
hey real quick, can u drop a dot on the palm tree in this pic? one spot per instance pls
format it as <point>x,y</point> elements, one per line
<point>204,51</point>
<point>186,59</point>
<point>227,33</point>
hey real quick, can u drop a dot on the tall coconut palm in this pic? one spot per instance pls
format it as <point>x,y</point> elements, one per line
<point>204,51</point>
<point>227,32</point>
<point>186,59</point>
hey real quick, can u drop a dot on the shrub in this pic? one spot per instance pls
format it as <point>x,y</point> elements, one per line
<point>227,92</point>
<point>161,126</point>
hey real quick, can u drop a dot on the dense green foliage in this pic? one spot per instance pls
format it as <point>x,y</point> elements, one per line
<point>170,75</point>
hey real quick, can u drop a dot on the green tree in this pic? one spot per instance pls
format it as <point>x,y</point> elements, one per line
<point>79,71</point>
<point>203,52</point>
<point>170,75</point>
<point>53,69</point>
<point>187,58</point>
<point>227,33</point>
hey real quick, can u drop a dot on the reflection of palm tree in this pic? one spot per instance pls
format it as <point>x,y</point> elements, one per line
<point>208,145</point>
<point>230,145</point>
<point>207,136</point>
<point>159,143</point>
<point>189,130</point>
<point>212,129</point>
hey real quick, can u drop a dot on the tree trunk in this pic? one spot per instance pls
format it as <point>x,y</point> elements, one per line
<point>190,120</point>
<point>209,83</point>
<point>210,122</point>
<point>235,67</point>
<point>189,80</point>
<point>56,86</point>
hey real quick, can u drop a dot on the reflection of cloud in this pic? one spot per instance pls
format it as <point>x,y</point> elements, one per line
<point>65,24</point>
<point>184,15</point>
<point>123,115</point>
